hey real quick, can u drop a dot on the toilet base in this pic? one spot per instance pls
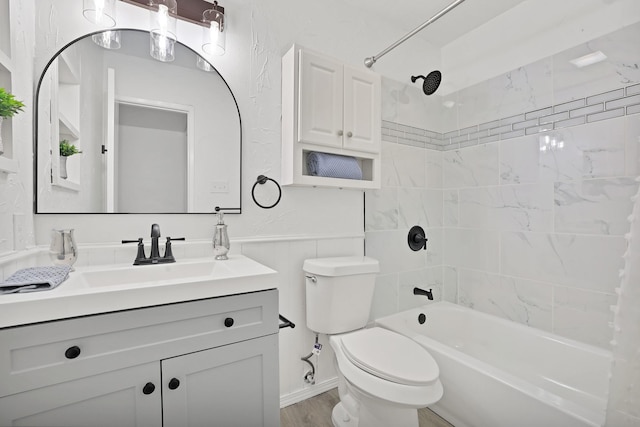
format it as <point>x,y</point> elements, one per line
<point>341,418</point>
<point>358,409</point>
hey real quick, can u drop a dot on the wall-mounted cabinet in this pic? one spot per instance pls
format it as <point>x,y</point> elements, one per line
<point>7,149</point>
<point>329,107</point>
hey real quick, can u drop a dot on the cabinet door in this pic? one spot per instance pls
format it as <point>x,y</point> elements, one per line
<point>362,110</point>
<point>320,100</point>
<point>110,399</point>
<point>230,386</point>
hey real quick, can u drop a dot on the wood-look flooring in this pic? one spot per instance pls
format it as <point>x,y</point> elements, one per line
<point>316,412</point>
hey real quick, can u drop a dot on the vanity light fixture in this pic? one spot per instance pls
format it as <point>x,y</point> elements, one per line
<point>107,39</point>
<point>100,12</point>
<point>163,34</point>
<point>214,31</point>
<point>206,13</point>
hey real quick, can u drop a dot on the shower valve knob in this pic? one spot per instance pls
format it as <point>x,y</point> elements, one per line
<point>417,238</point>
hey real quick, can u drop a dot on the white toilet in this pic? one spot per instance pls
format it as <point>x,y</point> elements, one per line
<point>384,377</point>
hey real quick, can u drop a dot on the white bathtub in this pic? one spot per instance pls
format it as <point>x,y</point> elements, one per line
<point>498,373</point>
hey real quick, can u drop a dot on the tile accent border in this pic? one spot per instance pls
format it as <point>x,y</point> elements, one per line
<point>603,106</point>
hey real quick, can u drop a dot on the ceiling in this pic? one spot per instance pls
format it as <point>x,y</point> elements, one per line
<point>409,14</point>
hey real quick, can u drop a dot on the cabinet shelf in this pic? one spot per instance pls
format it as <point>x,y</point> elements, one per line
<point>65,120</point>
<point>8,165</point>
<point>5,62</point>
<point>67,127</point>
<point>66,184</point>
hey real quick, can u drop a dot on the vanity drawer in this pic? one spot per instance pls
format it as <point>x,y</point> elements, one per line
<point>33,356</point>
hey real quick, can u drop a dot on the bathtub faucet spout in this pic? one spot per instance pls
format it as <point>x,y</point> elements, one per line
<point>428,294</point>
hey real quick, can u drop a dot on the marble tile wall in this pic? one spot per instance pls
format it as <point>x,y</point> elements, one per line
<point>615,103</point>
<point>528,216</point>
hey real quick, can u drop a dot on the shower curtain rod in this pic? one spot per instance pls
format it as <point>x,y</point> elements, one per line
<point>372,59</point>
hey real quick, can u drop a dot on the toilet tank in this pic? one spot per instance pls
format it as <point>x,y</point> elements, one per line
<point>339,292</point>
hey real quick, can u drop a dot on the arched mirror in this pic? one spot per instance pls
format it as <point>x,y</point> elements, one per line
<point>153,137</point>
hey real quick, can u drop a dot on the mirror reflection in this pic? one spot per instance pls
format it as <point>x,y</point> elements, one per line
<point>118,132</point>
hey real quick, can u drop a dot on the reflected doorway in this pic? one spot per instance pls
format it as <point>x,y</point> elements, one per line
<point>151,155</point>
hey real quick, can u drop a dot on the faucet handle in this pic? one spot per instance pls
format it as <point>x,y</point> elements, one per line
<point>140,255</point>
<point>168,253</point>
<point>138,240</point>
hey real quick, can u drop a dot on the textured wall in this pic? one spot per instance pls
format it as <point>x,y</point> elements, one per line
<point>16,225</point>
<point>258,35</point>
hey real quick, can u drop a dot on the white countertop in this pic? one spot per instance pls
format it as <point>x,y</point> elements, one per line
<point>100,289</point>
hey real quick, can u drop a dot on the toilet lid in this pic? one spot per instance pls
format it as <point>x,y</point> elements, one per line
<point>390,356</point>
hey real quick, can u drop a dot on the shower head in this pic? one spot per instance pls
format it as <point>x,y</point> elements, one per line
<point>431,82</point>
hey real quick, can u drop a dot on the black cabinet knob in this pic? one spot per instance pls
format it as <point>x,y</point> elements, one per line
<point>174,383</point>
<point>148,388</point>
<point>228,322</point>
<point>72,352</point>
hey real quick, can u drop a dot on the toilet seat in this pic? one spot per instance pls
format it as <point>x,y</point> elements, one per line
<point>390,356</point>
<point>360,371</point>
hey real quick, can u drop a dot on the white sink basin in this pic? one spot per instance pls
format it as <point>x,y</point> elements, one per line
<point>145,274</point>
<point>101,289</point>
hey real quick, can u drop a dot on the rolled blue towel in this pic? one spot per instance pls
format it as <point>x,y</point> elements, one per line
<point>35,279</point>
<point>333,166</point>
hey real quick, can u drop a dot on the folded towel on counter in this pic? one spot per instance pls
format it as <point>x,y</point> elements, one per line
<point>333,166</point>
<point>35,279</point>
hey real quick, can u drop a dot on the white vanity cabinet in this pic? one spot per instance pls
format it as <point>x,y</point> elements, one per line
<point>224,386</point>
<point>114,398</point>
<point>329,107</point>
<point>207,362</point>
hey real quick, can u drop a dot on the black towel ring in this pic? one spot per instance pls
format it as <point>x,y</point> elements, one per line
<point>262,180</point>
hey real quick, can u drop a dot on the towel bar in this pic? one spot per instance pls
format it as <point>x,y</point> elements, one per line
<point>286,322</point>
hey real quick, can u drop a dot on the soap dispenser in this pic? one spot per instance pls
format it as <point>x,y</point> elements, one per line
<point>220,238</point>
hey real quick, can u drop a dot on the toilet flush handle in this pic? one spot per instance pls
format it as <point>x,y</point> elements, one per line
<point>313,279</point>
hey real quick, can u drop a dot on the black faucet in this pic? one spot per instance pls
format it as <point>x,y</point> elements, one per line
<point>428,294</point>
<point>155,235</point>
<point>154,257</point>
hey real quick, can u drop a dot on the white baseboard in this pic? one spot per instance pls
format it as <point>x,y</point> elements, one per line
<point>306,393</point>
